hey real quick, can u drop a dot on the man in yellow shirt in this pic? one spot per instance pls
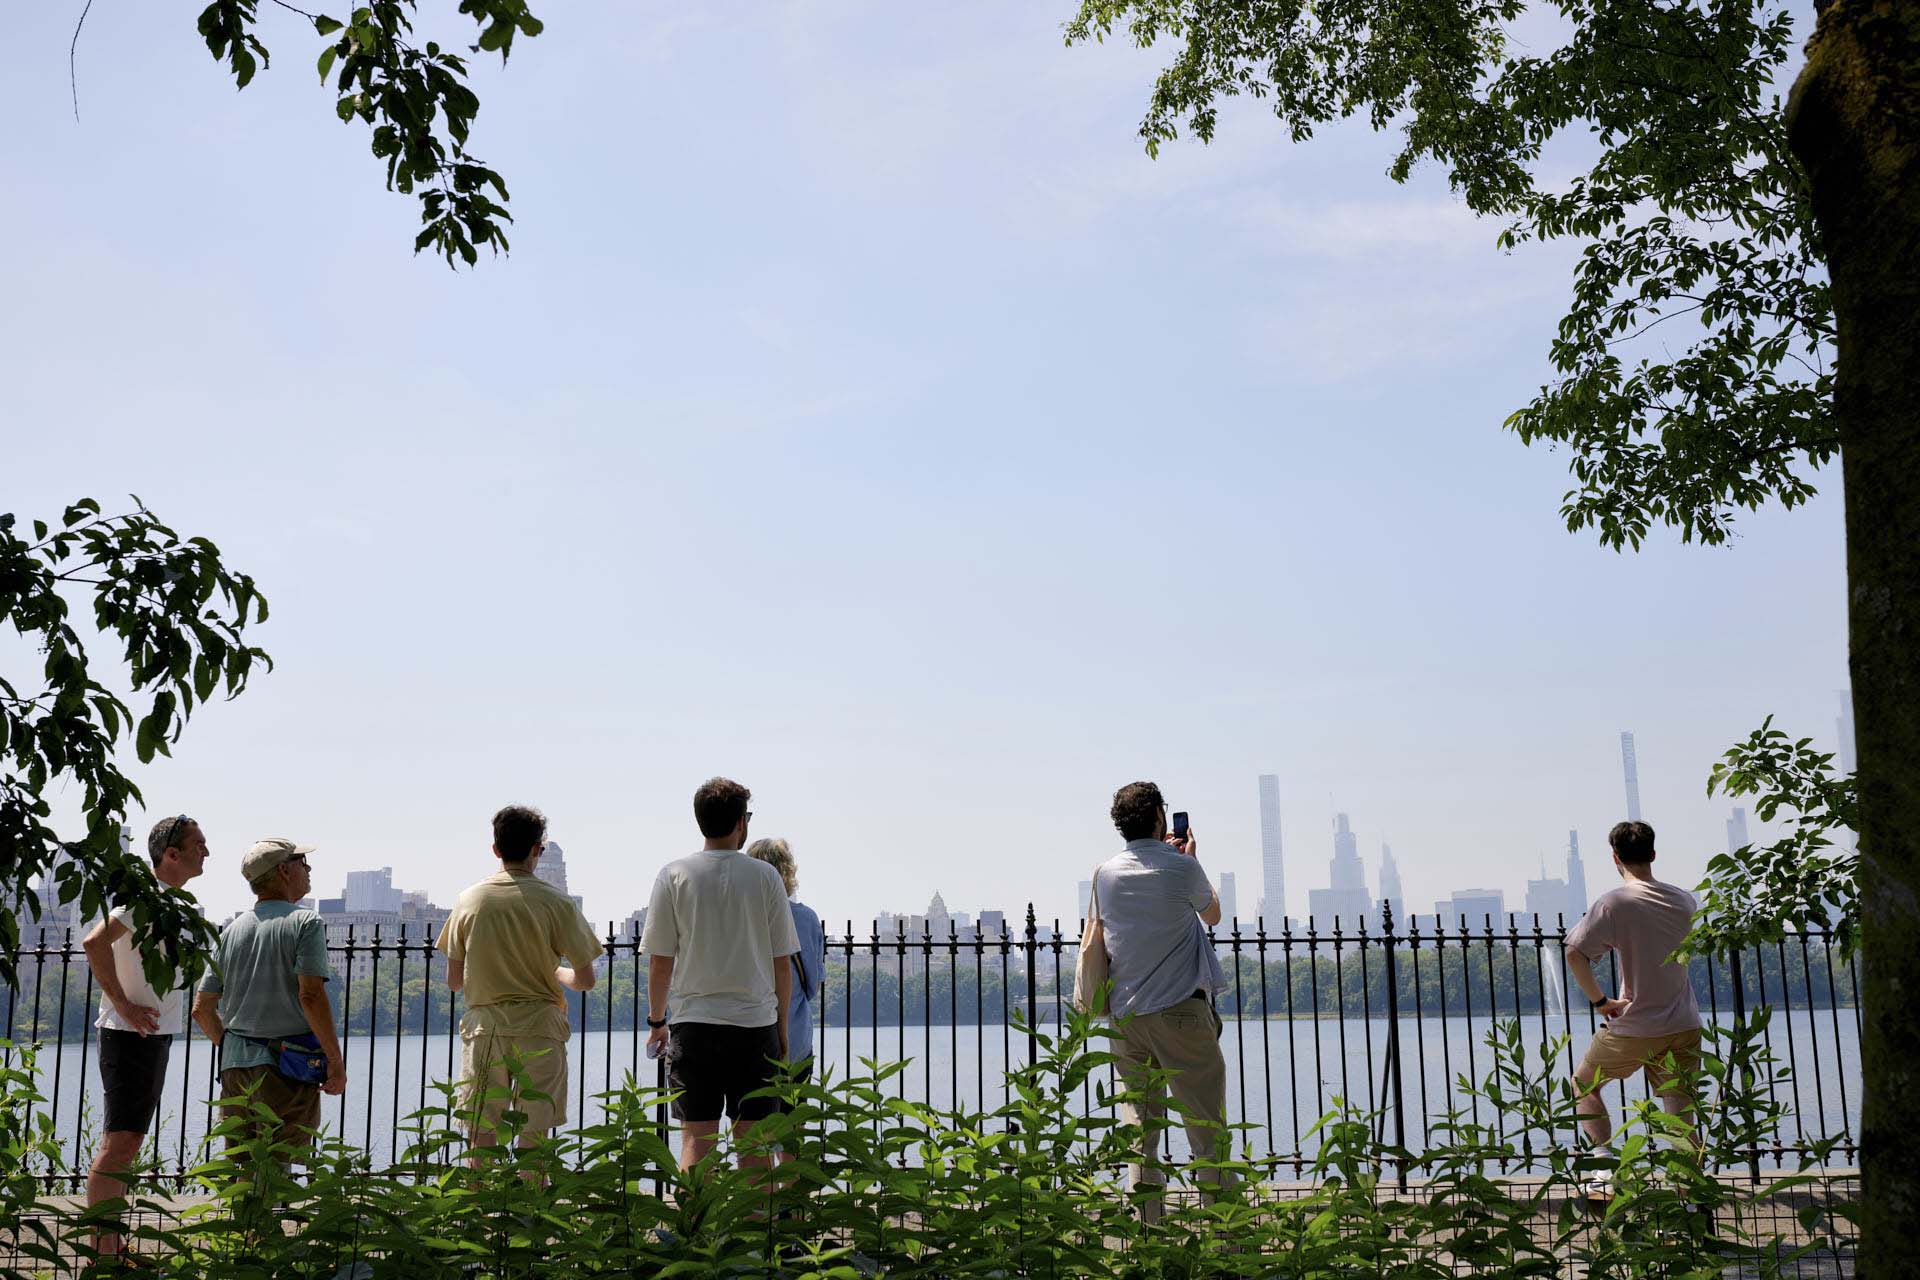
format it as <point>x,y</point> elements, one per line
<point>515,944</point>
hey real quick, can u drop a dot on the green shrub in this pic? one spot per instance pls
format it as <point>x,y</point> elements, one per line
<point>873,1183</point>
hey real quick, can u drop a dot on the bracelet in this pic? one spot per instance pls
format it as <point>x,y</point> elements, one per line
<point>1595,1004</point>
<point>656,1023</point>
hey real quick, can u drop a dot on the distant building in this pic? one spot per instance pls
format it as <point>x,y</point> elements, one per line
<point>1576,879</point>
<point>551,869</point>
<point>1737,838</point>
<point>1229,897</point>
<point>1849,761</point>
<point>1346,900</point>
<point>1273,872</point>
<point>1086,897</point>
<point>1390,892</point>
<point>1558,902</point>
<point>634,925</point>
<point>1473,909</point>
<point>1630,766</point>
<point>993,923</point>
<point>372,891</point>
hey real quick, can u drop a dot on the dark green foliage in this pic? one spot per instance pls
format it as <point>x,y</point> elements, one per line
<point>1752,896</point>
<point>180,618</point>
<point>413,96</point>
<point>1694,208</point>
<point>877,1184</point>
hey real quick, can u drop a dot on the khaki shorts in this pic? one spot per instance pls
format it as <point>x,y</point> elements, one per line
<point>295,1106</point>
<point>542,1069</point>
<point>1668,1060</point>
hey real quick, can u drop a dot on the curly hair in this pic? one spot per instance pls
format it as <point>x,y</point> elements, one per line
<point>719,805</point>
<point>777,854</point>
<point>1136,809</point>
<point>517,831</point>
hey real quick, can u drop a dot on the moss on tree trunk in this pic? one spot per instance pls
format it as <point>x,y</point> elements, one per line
<point>1855,119</point>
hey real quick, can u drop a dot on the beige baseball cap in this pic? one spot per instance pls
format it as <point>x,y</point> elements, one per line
<point>268,854</point>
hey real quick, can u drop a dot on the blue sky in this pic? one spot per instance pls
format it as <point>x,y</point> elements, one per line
<point>860,414</point>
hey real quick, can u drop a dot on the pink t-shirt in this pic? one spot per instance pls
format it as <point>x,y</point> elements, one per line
<point>1642,922</point>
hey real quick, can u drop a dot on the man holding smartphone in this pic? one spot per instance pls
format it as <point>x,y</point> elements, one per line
<point>1152,904</point>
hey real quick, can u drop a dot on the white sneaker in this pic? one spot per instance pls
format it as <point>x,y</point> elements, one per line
<point>1598,1185</point>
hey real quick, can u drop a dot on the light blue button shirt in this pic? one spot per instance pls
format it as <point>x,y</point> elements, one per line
<point>809,963</point>
<point>1157,949</point>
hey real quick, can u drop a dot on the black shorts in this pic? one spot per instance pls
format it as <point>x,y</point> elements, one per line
<point>133,1071</point>
<point>712,1067</point>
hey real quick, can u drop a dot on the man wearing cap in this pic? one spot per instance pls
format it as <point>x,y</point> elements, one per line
<point>265,1003</point>
<point>137,1020</point>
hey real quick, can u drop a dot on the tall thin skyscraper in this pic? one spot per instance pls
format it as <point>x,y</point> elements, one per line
<point>1631,764</point>
<point>1737,838</point>
<point>1229,898</point>
<point>1390,893</point>
<point>1273,875</point>
<point>1848,761</point>
<point>1576,879</point>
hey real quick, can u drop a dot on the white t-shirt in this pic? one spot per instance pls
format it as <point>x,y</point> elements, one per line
<point>724,919</point>
<point>133,981</point>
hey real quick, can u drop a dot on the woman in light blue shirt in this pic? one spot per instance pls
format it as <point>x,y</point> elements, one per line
<point>809,963</point>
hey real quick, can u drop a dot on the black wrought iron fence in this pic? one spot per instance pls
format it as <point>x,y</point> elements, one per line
<point>1388,1019</point>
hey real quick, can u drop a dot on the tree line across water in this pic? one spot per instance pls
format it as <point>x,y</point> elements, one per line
<point>54,999</point>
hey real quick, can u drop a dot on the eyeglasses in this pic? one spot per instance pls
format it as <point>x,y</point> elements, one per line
<point>300,858</point>
<point>173,831</point>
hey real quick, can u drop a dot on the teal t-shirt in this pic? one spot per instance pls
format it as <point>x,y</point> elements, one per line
<point>262,956</point>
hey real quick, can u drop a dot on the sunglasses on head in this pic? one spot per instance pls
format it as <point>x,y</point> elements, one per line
<point>173,831</point>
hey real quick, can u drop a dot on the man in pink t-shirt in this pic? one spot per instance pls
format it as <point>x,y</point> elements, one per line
<point>1654,1023</point>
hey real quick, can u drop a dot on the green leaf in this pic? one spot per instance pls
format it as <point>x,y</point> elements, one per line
<point>324,25</point>
<point>327,55</point>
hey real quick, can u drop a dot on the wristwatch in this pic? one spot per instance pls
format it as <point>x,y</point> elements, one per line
<point>1597,1003</point>
<point>656,1023</point>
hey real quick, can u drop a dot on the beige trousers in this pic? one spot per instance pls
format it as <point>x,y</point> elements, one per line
<point>1184,1041</point>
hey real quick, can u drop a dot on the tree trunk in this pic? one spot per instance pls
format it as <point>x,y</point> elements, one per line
<point>1855,120</point>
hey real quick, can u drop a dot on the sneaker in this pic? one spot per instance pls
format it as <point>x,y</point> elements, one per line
<point>1598,1186</point>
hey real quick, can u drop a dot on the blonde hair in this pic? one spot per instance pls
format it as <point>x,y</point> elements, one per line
<point>777,854</point>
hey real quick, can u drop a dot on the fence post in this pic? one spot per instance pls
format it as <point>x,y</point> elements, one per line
<point>1393,1045</point>
<point>1739,1017</point>
<point>1033,989</point>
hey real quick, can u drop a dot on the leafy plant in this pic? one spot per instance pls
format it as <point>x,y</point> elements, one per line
<point>180,616</point>
<point>414,97</point>
<point>1807,879</point>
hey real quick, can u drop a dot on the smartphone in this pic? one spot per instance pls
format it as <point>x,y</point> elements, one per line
<point>1180,826</point>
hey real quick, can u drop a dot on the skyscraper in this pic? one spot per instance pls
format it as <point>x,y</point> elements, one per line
<point>1273,875</point>
<point>1737,838</point>
<point>1576,879</point>
<point>1390,894</point>
<point>1346,899</point>
<point>552,867</point>
<point>1631,764</point>
<point>1229,897</point>
<point>1848,761</point>
<point>372,891</point>
<point>1086,897</point>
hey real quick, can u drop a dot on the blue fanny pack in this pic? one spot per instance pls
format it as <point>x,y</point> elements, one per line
<point>298,1058</point>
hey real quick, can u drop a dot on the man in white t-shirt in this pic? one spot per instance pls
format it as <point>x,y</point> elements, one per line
<point>718,935</point>
<point>137,1023</point>
<point>1654,1023</point>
